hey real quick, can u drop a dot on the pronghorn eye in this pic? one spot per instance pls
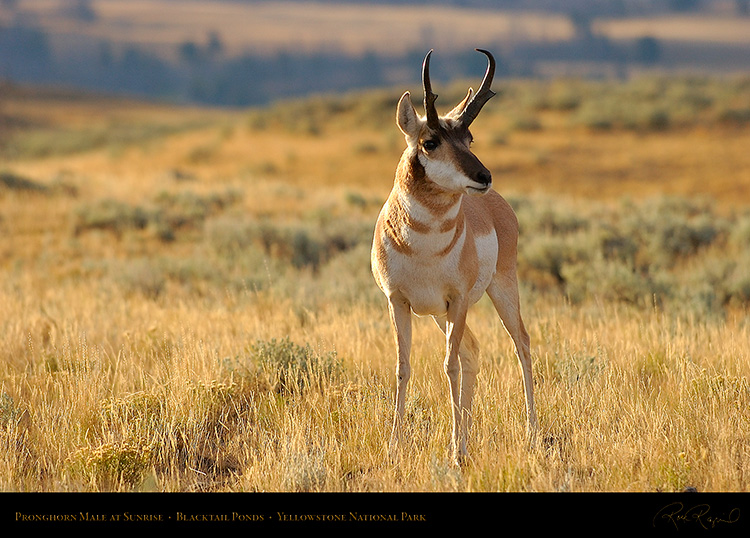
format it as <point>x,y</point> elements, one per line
<point>429,145</point>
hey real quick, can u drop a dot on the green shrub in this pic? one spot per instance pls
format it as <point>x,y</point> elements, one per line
<point>614,282</point>
<point>666,250</point>
<point>111,465</point>
<point>293,367</point>
<point>734,115</point>
<point>142,276</point>
<point>112,215</point>
<point>169,213</point>
<point>549,254</point>
<point>595,115</point>
<point>15,182</point>
<point>9,412</point>
<point>615,245</point>
<point>739,235</point>
<point>525,122</point>
<point>301,244</point>
<point>186,208</point>
<point>671,229</point>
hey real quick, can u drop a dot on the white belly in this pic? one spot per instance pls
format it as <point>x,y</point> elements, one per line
<point>429,283</point>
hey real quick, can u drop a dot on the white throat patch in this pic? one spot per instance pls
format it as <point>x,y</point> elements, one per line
<point>445,174</point>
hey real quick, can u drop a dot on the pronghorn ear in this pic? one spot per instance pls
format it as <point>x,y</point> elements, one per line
<point>406,117</point>
<point>456,112</point>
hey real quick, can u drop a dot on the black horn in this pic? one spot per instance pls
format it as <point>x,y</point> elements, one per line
<point>483,95</point>
<point>429,97</point>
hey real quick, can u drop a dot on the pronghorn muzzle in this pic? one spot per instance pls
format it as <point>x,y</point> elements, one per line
<point>482,177</point>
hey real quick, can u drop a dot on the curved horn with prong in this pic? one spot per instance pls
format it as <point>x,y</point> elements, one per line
<point>483,95</point>
<point>429,97</point>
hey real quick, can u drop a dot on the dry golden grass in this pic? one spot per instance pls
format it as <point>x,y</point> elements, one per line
<point>130,352</point>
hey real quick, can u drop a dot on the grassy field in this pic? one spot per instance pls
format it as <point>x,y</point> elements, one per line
<point>186,303</point>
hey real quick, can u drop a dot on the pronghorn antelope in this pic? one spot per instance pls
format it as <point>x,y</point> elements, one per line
<point>436,251</point>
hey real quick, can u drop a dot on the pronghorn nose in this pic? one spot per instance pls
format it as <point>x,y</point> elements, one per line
<point>484,177</point>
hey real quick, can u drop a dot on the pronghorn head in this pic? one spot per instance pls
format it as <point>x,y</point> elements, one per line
<point>443,144</point>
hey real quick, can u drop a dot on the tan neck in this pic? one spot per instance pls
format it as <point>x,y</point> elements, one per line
<point>416,188</point>
<point>422,216</point>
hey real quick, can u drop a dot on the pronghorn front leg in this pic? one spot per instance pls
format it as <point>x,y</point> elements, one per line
<point>454,332</point>
<point>400,312</point>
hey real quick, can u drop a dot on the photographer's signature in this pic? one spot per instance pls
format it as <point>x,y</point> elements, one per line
<point>679,515</point>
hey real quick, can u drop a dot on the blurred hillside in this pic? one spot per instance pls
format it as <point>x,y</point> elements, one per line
<point>232,52</point>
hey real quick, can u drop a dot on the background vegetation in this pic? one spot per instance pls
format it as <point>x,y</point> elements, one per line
<point>186,301</point>
<point>252,52</point>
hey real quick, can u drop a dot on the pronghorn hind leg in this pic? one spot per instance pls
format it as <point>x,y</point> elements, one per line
<point>504,295</point>
<point>469,355</point>
<point>400,313</point>
<point>468,359</point>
